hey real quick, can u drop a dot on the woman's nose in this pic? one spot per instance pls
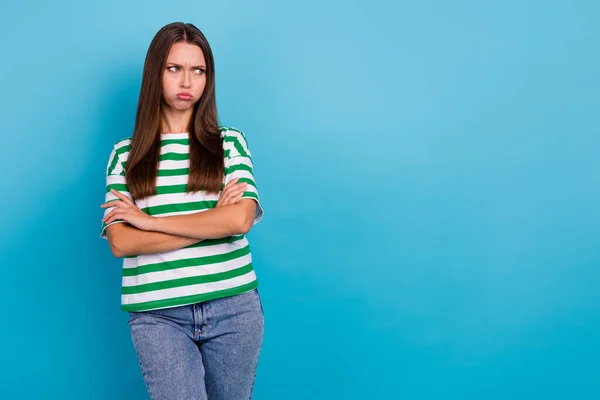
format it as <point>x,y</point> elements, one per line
<point>185,79</point>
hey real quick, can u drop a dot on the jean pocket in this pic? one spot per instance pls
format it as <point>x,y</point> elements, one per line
<point>259,301</point>
<point>131,317</point>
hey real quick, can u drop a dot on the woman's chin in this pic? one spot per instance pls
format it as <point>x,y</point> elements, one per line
<point>179,105</point>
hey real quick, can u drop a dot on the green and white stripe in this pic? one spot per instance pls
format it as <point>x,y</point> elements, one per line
<point>206,270</point>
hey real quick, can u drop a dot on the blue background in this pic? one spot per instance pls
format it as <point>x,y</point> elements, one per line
<point>429,172</point>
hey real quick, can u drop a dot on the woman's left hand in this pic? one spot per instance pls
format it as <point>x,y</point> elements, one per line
<point>127,211</point>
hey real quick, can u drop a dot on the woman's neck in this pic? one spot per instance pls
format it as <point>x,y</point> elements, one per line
<point>174,121</point>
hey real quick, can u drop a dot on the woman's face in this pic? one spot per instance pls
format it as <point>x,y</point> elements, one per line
<point>184,77</point>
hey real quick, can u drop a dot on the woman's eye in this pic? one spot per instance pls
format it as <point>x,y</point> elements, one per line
<point>199,71</point>
<point>173,68</point>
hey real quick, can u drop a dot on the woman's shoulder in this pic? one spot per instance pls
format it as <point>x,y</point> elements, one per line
<point>234,142</point>
<point>123,144</point>
<point>228,131</point>
<point>120,150</point>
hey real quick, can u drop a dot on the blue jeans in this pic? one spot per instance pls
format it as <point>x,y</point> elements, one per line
<point>207,350</point>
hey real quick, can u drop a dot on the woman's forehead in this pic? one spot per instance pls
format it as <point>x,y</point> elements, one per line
<point>185,53</point>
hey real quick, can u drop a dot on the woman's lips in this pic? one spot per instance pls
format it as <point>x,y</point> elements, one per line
<point>185,96</point>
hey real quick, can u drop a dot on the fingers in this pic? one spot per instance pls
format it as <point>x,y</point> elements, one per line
<point>235,192</point>
<point>121,196</point>
<point>113,203</point>
<point>232,194</point>
<point>232,199</point>
<point>117,213</point>
<point>111,216</point>
<point>123,201</point>
<point>227,189</point>
<point>231,183</point>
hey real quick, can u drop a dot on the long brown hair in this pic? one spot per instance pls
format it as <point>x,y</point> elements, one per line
<point>206,145</point>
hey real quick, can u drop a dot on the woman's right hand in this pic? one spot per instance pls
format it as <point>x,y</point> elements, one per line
<point>232,193</point>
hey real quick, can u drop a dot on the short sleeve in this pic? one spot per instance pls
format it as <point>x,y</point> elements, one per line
<point>238,164</point>
<point>115,179</point>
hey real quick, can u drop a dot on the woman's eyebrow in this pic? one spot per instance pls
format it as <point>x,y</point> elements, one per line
<point>177,65</point>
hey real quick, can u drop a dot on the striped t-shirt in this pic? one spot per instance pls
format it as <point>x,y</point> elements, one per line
<point>207,270</point>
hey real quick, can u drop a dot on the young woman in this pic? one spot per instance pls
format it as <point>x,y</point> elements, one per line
<point>180,197</point>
